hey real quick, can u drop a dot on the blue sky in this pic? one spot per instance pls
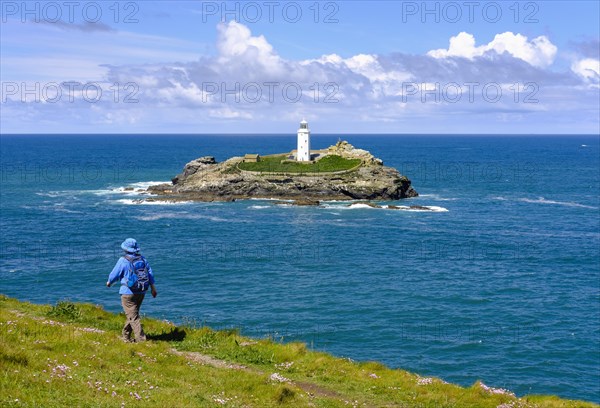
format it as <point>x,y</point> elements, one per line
<point>254,67</point>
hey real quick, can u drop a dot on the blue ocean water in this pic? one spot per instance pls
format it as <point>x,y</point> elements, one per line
<point>500,284</point>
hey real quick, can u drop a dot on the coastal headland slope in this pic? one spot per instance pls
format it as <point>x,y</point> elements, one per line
<point>70,355</point>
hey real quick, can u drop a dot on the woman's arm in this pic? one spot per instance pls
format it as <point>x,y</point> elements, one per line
<point>116,274</point>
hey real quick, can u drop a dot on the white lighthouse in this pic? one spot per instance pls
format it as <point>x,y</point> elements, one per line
<point>303,153</point>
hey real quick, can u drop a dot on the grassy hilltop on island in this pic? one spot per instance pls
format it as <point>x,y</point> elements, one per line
<point>277,163</point>
<point>71,355</point>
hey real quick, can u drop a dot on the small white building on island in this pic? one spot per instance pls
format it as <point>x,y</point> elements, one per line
<point>303,152</point>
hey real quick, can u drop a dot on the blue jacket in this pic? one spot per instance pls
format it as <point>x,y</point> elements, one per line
<point>121,271</point>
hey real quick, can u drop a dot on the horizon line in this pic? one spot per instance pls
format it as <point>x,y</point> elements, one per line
<point>293,134</point>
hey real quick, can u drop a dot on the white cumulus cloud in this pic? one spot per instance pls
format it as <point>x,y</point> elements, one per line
<point>237,46</point>
<point>367,65</point>
<point>383,81</point>
<point>588,68</point>
<point>224,91</point>
<point>539,52</point>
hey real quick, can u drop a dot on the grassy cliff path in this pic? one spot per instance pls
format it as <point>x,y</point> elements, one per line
<point>71,355</point>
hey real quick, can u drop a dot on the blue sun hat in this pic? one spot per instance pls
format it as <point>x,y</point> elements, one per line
<point>130,245</point>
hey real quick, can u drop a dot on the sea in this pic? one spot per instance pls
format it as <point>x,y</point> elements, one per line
<point>499,283</point>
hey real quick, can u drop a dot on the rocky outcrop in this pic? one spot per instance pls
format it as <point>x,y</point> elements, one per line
<point>301,202</point>
<point>193,167</point>
<point>204,179</point>
<point>345,149</point>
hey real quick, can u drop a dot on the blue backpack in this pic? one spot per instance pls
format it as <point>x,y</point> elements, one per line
<point>139,278</point>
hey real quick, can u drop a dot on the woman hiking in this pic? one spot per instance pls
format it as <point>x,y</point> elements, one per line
<point>136,276</point>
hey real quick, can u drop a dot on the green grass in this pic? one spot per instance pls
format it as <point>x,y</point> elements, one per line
<point>70,355</point>
<point>326,164</point>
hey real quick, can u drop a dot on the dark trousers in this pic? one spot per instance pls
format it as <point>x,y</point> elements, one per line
<point>131,306</point>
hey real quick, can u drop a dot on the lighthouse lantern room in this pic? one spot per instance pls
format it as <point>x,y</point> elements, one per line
<point>303,153</point>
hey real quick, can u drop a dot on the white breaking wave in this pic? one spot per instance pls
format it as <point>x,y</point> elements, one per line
<point>260,207</point>
<point>180,216</point>
<point>542,200</point>
<point>436,197</point>
<point>360,205</point>
<point>270,199</point>
<point>145,184</point>
<point>428,208</point>
<point>129,201</point>
<point>130,190</point>
<point>52,194</point>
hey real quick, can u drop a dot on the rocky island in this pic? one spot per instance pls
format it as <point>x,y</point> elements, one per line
<point>339,172</point>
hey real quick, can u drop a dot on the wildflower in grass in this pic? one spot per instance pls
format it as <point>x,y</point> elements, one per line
<point>284,366</point>
<point>276,377</point>
<point>53,323</point>
<point>424,380</point>
<point>221,399</point>
<point>60,371</point>
<point>90,330</point>
<point>493,390</point>
<point>135,395</point>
